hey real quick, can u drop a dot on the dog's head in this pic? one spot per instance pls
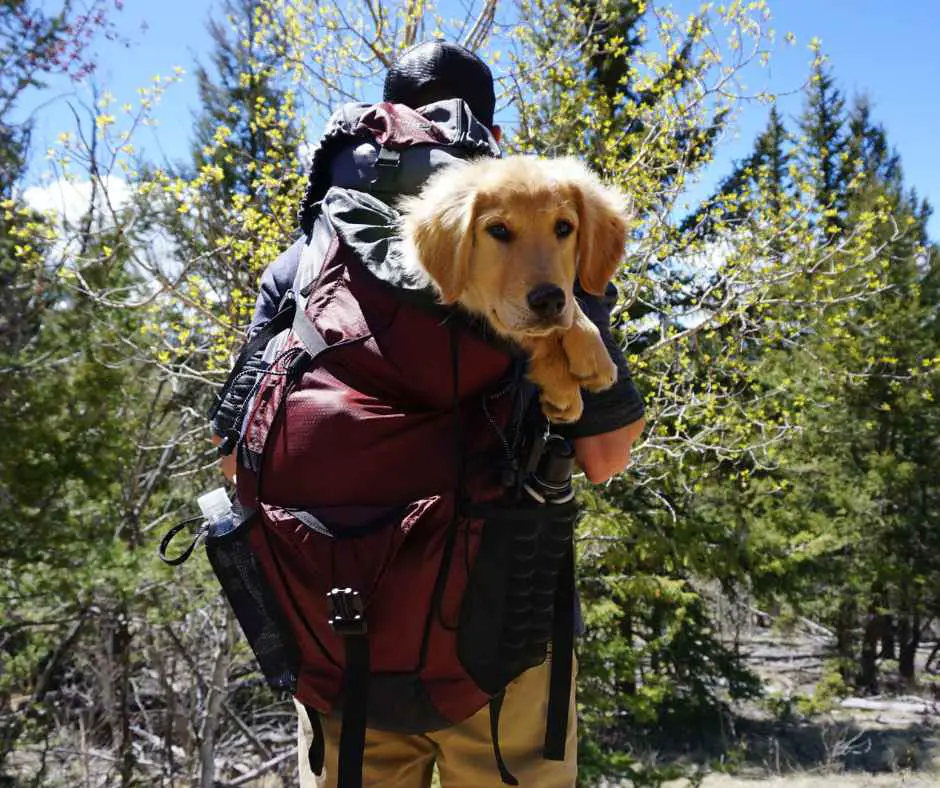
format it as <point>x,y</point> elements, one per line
<point>505,238</point>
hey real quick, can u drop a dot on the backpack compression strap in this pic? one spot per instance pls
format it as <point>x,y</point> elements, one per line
<point>562,657</point>
<point>559,693</point>
<point>347,620</point>
<point>280,322</point>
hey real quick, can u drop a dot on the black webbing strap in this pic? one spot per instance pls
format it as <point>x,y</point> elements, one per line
<point>316,753</point>
<point>443,572</point>
<point>496,705</point>
<point>170,535</point>
<point>280,322</point>
<point>352,737</point>
<point>559,692</point>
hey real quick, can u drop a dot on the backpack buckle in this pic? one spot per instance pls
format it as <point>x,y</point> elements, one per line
<point>386,169</point>
<point>387,158</point>
<point>346,612</point>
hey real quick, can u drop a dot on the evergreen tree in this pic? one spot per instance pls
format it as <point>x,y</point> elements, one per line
<point>845,508</point>
<point>764,174</point>
<point>243,189</point>
<point>822,144</point>
<point>238,92</point>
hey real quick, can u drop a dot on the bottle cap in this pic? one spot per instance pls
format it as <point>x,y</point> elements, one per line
<point>215,505</point>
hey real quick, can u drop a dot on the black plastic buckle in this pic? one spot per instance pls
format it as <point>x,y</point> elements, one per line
<point>346,612</point>
<point>387,158</point>
<point>289,299</point>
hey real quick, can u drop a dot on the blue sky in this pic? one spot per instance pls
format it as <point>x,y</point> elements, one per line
<point>884,49</point>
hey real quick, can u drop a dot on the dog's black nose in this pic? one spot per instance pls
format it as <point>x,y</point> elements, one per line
<point>547,301</point>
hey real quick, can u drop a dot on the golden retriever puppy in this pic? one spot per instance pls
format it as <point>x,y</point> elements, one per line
<point>505,239</point>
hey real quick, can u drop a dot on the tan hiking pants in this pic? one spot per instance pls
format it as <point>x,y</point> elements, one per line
<point>463,753</point>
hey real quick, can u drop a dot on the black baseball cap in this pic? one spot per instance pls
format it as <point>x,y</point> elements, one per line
<point>438,70</point>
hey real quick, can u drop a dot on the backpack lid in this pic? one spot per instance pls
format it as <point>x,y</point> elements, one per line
<point>350,152</point>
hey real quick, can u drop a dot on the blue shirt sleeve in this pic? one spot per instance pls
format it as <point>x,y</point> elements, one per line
<point>276,280</point>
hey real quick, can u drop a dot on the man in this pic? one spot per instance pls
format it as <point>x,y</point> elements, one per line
<point>602,440</point>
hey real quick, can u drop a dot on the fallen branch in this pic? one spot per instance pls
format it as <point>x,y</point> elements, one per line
<point>264,768</point>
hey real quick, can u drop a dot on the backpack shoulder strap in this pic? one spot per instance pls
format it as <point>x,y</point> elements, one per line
<point>285,282</point>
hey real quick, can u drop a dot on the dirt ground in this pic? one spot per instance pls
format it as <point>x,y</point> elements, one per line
<point>885,741</point>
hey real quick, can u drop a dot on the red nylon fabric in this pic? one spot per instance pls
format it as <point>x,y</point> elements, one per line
<point>398,126</point>
<point>365,439</point>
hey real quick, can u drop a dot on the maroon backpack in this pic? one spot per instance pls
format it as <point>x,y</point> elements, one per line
<point>402,541</point>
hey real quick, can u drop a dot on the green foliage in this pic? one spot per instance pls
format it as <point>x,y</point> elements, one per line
<point>783,333</point>
<point>845,504</point>
<point>775,304</point>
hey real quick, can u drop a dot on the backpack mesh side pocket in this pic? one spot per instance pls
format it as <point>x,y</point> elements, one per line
<point>248,591</point>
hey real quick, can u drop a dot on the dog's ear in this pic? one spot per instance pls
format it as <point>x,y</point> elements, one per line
<point>438,230</point>
<point>603,226</point>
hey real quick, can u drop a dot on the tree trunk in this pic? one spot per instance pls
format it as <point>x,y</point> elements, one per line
<point>845,646</point>
<point>908,633</point>
<point>215,699</point>
<point>888,643</point>
<point>628,683</point>
<point>868,665</point>
<point>121,640</point>
<point>930,666</point>
<point>910,641</point>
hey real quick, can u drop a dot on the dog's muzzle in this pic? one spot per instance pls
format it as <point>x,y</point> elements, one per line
<point>547,303</point>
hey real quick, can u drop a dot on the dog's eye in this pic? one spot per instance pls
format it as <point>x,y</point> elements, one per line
<point>499,231</point>
<point>563,228</point>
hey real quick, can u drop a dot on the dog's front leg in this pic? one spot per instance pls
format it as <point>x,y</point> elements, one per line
<point>587,357</point>
<point>548,369</point>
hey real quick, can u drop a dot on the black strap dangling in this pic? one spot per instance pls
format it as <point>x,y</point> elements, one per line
<point>559,693</point>
<point>316,753</point>
<point>348,620</point>
<point>496,705</point>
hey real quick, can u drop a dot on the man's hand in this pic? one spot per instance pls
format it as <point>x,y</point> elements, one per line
<point>605,455</point>
<point>228,461</point>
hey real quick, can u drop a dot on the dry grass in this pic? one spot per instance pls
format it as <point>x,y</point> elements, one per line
<point>817,781</point>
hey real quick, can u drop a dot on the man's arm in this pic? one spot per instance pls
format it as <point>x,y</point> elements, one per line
<point>275,282</point>
<point>227,461</point>
<point>613,419</point>
<point>604,456</point>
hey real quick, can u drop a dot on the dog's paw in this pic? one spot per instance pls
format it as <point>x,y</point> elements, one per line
<point>590,364</point>
<point>562,406</point>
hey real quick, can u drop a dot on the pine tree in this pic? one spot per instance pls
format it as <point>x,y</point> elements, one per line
<point>759,188</point>
<point>624,103</point>
<point>850,498</point>
<point>822,144</point>
<point>242,191</point>
<point>238,92</point>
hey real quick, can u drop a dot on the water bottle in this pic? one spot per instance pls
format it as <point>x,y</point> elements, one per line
<point>217,509</point>
<point>551,480</point>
